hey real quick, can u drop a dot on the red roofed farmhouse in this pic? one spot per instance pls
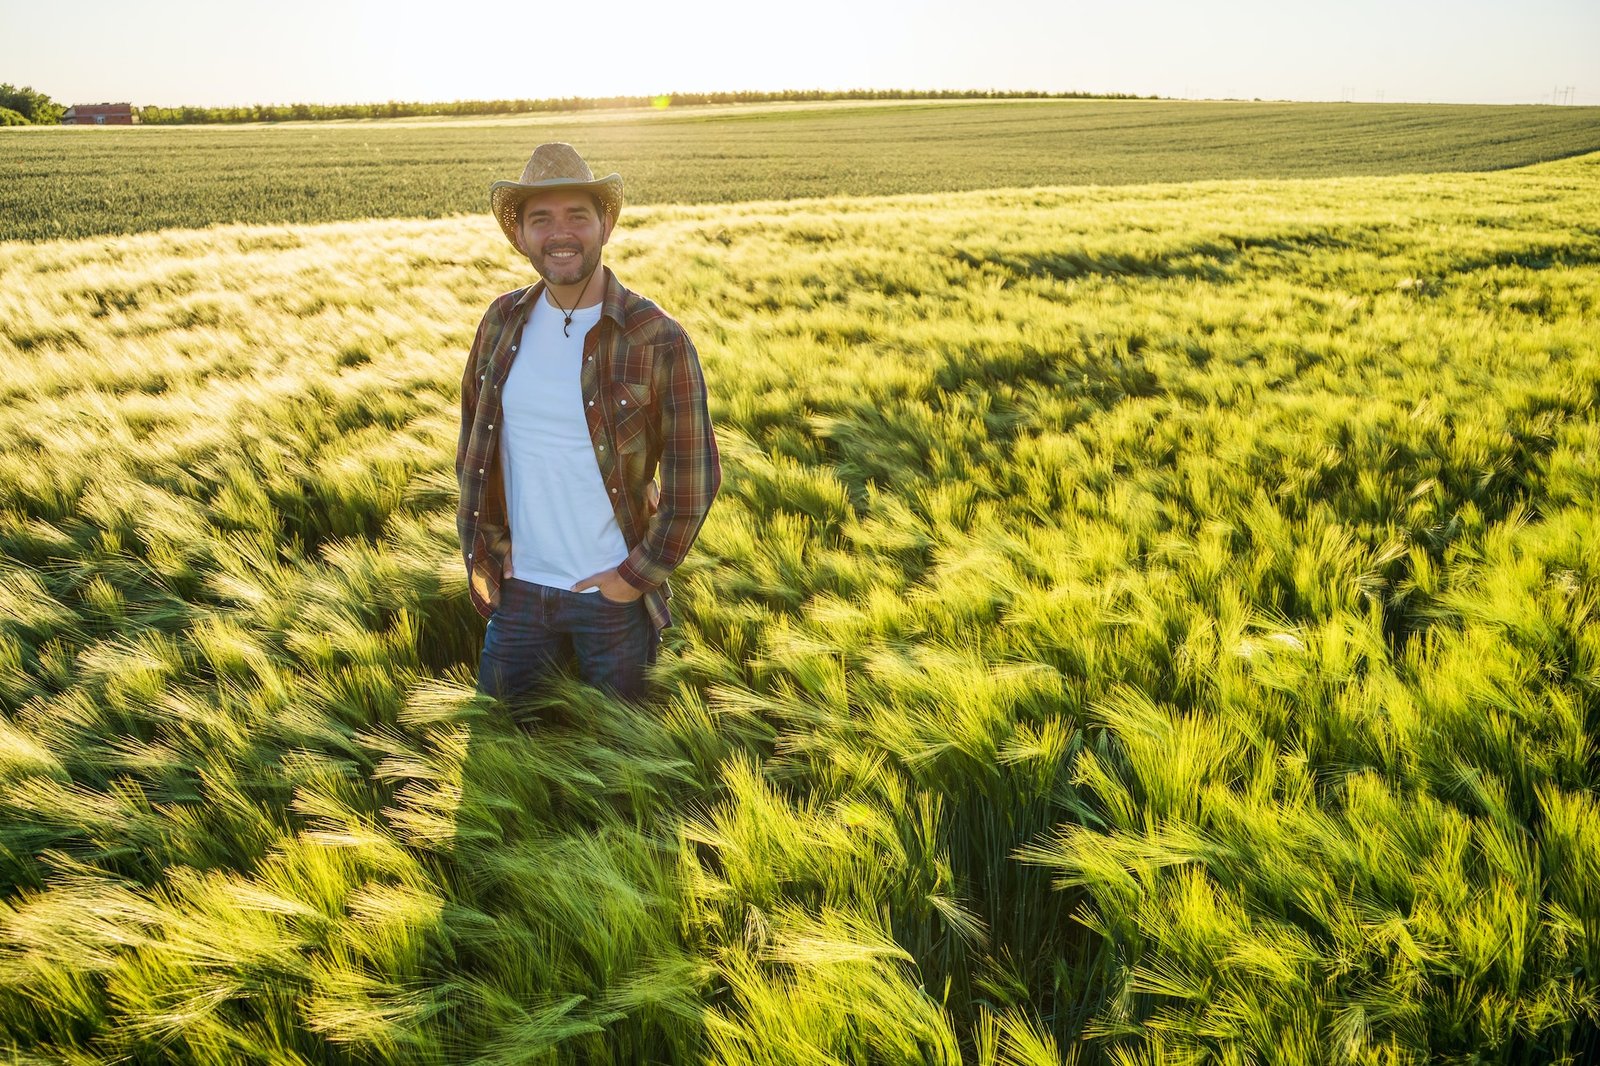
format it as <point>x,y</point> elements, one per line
<point>98,115</point>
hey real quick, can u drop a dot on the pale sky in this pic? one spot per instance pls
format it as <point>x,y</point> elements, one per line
<point>221,52</point>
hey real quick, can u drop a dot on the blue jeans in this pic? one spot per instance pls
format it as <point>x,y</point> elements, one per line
<point>534,629</point>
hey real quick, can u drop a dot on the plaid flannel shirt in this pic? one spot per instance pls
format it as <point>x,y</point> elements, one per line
<point>645,401</point>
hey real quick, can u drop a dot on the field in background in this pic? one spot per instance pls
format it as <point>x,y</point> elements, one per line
<point>68,182</point>
<point>1142,623</point>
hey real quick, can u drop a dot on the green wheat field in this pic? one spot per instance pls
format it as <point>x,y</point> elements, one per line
<point>65,181</point>
<point>1141,624</point>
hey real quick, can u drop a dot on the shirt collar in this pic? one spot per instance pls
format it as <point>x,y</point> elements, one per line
<point>613,304</point>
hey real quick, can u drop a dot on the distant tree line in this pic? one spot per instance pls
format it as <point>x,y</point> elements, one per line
<point>400,109</point>
<point>27,107</point>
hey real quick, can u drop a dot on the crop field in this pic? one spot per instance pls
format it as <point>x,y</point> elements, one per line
<point>73,182</point>
<point>1140,624</point>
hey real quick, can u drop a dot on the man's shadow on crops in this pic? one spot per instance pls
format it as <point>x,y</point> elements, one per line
<point>559,868</point>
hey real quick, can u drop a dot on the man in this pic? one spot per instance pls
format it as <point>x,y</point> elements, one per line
<point>575,392</point>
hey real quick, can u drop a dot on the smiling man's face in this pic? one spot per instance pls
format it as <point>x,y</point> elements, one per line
<point>561,233</point>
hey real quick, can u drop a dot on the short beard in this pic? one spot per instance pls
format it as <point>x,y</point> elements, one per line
<point>587,261</point>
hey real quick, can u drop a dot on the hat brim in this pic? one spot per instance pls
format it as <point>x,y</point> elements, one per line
<point>506,197</point>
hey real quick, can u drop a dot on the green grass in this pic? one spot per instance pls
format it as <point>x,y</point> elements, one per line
<point>1147,624</point>
<point>69,182</point>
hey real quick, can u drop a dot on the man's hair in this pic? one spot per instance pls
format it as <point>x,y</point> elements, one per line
<point>594,198</point>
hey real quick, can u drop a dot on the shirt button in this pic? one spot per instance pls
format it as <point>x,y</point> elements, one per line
<point>613,492</point>
<point>602,447</point>
<point>469,555</point>
<point>591,403</point>
<point>491,425</point>
<point>482,376</point>
<point>513,347</point>
<point>623,402</point>
<point>480,469</point>
<point>474,514</point>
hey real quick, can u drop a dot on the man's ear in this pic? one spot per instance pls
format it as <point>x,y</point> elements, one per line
<point>516,233</point>
<point>607,226</point>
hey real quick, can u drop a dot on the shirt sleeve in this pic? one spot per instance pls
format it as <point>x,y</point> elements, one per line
<point>690,471</point>
<point>469,407</point>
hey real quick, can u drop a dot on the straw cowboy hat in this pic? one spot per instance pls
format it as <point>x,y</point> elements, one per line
<point>552,166</point>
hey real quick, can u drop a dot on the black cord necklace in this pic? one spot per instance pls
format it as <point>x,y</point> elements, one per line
<point>566,320</point>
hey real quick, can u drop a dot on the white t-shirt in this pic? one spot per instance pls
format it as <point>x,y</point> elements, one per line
<point>563,528</point>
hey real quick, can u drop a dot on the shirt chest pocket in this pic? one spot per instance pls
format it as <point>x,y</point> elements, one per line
<point>632,414</point>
